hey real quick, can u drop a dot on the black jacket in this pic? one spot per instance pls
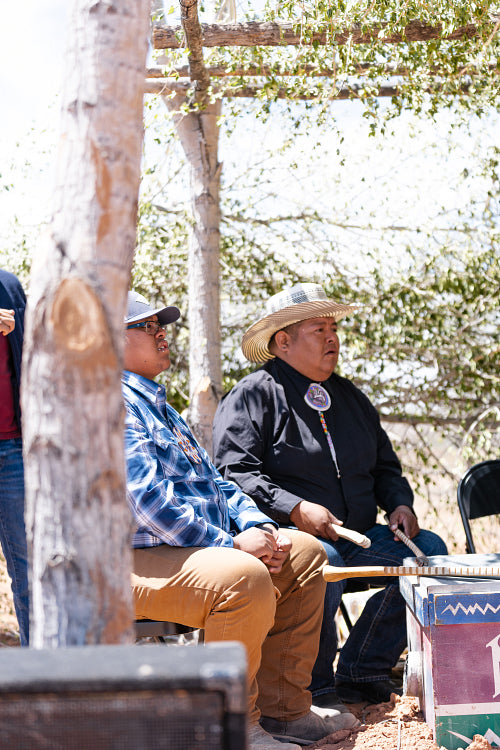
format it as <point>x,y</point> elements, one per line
<point>272,444</point>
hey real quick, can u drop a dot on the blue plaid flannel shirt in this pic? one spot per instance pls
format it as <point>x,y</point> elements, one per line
<point>176,494</point>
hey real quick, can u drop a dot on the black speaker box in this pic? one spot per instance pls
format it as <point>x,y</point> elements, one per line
<point>124,698</point>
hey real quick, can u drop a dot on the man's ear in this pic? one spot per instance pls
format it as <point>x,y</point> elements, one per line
<point>281,340</point>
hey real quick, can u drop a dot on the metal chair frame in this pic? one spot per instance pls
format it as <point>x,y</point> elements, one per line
<point>161,630</point>
<point>478,495</point>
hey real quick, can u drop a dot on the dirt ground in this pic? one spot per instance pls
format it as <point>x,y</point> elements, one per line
<point>398,725</point>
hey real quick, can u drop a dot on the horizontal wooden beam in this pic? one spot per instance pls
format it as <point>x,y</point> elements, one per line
<point>305,71</point>
<point>220,71</point>
<point>170,86</point>
<point>251,92</point>
<point>255,34</point>
<point>166,86</point>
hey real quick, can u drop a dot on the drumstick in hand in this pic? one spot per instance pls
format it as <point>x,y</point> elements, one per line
<point>352,536</point>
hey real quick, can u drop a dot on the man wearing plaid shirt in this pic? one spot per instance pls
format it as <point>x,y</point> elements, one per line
<point>205,556</point>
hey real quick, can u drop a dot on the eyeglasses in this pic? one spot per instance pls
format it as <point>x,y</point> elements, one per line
<point>151,326</point>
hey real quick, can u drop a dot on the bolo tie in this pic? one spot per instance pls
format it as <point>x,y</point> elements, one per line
<point>319,399</point>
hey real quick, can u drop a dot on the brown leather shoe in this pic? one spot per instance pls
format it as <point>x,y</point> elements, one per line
<point>310,727</point>
<point>258,739</point>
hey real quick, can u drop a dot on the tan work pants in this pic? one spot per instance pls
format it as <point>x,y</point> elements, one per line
<point>233,597</point>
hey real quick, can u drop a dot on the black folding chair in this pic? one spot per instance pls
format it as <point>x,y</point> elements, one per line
<point>478,495</point>
<point>353,585</point>
<point>160,631</point>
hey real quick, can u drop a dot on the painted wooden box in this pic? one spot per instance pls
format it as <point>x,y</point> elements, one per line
<point>453,663</point>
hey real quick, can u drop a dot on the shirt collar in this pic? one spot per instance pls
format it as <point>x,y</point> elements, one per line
<point>148,389</point>
<point>303,380</point>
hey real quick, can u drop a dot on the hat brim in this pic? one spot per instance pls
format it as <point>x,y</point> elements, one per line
<point>255,342</point>
<point>165,315</point>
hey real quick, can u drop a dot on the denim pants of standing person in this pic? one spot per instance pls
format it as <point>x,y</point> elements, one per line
<point>12,529</point>
<point>232,595</point>
<point>378,637</point>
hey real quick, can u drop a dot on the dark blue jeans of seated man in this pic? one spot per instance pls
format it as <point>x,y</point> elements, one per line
<point>12,529</point>
<point>378,637</point>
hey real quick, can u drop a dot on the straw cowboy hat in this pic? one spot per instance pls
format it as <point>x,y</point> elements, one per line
<point>293,305</point>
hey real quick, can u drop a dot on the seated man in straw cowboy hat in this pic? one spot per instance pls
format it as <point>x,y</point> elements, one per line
<point>206,556</point>
<point>308,447</point>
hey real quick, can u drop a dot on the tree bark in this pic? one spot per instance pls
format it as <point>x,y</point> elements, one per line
<point>197,70</point>
<point>255,34</point>
<point>198,132</point>
<point>78,522</point>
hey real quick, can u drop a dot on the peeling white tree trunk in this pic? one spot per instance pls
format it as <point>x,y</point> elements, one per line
<point>78,522</point>
<point>199,136</point>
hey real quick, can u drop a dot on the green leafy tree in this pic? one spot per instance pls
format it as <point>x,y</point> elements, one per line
<point>424,350</point>
<point>426,57</point>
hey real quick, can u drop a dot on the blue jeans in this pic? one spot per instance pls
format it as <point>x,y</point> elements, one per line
<point>12,529</point>
<point>378,637</point>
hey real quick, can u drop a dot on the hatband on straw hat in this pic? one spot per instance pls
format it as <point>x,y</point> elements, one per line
<point>293,305</point>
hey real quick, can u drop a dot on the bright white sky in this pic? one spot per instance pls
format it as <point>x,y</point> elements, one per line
<point>32,43</point>
<point>32,47</point>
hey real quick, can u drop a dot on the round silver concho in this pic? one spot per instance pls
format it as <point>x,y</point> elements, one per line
<point>317,397</point>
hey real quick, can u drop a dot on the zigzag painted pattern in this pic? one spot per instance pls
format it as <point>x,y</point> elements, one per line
<point>471,609</point>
